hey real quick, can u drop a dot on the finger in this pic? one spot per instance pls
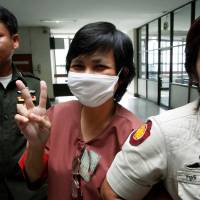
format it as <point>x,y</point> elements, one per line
<point>42,121</point>
<point>43,94</point>
<point>21,119</point>
<point>44,126</point>
<point>22,110</point>
<point>22,123</point>
<point>25,94</point>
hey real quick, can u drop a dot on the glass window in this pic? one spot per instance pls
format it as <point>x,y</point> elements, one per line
<point>142,52</point>
<point>153,50</point>
<point>179,74</point>
<point>165,31</point>
<point>60,58</point>
<point>164,76</point>
<point>182,20</point>
<point>60,54</point>
<point>197,9</point>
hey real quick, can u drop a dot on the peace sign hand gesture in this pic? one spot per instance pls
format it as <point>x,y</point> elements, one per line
<point>33,120</point>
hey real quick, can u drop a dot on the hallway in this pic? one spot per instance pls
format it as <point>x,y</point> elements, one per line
<point>140,107</point>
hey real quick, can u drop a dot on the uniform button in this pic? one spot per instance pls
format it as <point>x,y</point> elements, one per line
<point>5,117</point>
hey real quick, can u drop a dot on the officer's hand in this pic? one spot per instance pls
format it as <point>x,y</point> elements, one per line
<point>32,120</point>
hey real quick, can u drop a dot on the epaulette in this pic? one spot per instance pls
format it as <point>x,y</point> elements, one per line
<point>29,74</point>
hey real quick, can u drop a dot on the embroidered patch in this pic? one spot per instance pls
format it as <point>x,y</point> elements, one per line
<point>139,135</point>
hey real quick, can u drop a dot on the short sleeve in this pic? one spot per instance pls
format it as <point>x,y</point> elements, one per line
<point>140,164</point>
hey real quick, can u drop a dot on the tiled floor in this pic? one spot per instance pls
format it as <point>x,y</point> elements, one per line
<point>140,107</point>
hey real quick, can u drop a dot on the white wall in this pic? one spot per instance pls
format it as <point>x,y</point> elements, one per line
<point>25,42</point>
<point>35,41</point>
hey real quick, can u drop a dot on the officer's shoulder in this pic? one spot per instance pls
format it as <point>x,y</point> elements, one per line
<point>29,75</point>
<point>177,113</point>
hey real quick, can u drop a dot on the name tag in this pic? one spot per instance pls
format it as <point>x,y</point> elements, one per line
<point>191,177</point>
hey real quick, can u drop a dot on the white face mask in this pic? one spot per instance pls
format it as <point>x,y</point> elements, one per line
<point>92,90</point>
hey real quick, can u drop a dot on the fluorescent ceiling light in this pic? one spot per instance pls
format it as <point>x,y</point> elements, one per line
<point>57,20</point>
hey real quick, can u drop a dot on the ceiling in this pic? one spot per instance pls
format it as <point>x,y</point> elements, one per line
<point>125,14</point>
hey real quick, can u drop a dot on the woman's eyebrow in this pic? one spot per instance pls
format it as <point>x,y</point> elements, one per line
<point>77,60</point>
<point>100,61</point>
<point>97,60</point>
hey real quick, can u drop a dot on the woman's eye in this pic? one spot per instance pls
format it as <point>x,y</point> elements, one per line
<point>77,67</point>
<point>100,67</point>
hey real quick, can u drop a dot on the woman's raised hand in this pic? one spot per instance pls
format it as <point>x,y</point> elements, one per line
<point>33,120</point>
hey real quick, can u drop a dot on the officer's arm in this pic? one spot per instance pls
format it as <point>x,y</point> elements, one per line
<point>107,193</point>
<point>138,166</point>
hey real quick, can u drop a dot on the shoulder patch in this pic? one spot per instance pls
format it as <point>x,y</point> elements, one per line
<point>138,136</point>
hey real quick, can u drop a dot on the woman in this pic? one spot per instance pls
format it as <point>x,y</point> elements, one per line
<point>79,139</point>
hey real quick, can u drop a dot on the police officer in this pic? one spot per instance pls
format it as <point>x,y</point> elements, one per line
<point>12,142</point>
<point>166,148</point>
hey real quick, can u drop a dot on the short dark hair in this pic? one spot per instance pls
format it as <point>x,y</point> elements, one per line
<point>103,36</point>
<point>192,50</point>
<point>9,20</point>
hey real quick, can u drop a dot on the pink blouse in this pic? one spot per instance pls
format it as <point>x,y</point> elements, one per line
<point>65,143</point>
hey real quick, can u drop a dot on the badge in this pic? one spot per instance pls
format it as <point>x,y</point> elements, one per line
<point>20,99</point>
<point>139,135</point>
